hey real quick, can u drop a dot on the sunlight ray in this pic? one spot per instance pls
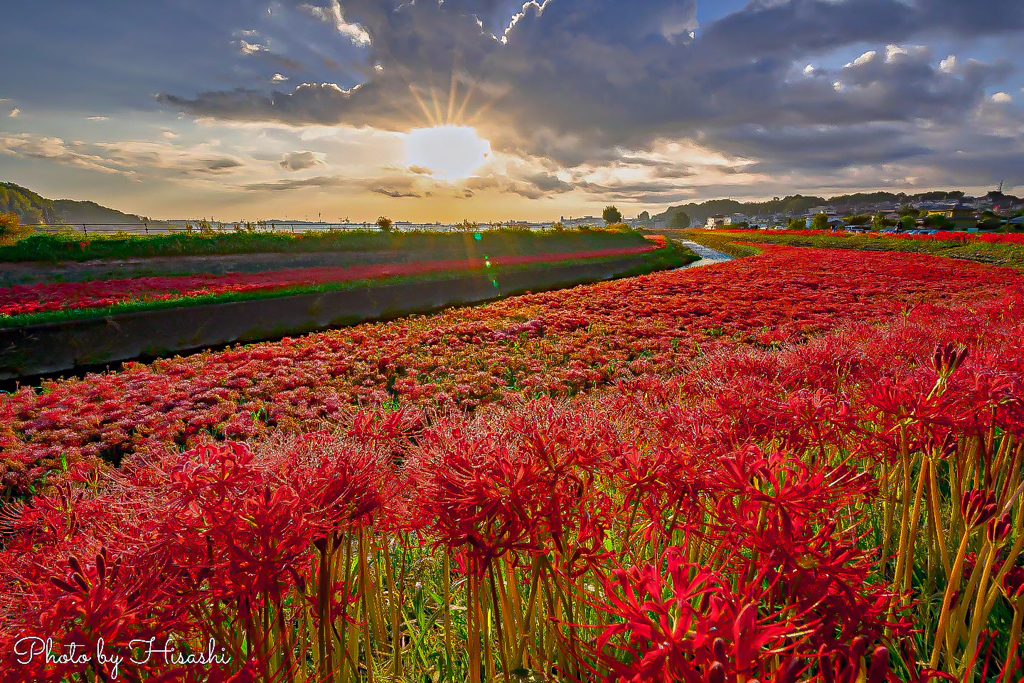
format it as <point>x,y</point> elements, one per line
<point>423,105</point>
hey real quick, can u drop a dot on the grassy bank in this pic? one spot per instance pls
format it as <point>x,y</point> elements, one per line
<point>673,256</point>
<point>492,242</point>
<point>1007,254</point>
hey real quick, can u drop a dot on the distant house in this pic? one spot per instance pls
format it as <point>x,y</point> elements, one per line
<point>827,210</point>
<point>716,221</point>
<point>736,219</point>
<point>950,210</point>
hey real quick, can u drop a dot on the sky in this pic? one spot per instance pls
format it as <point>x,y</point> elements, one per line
<point>495,110</point>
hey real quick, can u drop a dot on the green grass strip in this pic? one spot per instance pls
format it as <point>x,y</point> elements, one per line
<point>661,259</point>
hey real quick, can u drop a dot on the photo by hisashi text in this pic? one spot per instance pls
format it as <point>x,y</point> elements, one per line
<point>139,652</point>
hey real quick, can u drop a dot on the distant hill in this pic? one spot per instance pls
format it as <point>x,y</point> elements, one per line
<point>798,204</point>
<point>34,209</point>
<point>30,207</point>
<point>91,212</point>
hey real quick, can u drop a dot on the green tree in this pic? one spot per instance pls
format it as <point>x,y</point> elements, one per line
<point>820,222</point>
<point>11,227</point>
<point>859,220</point>
<point>907,223</point>
<point>938,222</point>
<point>558,226</point>
<point>798,224</point>
<point>679,220</point>
<point>611,215</point>
<point>385,224</point>
<point>644,216</point>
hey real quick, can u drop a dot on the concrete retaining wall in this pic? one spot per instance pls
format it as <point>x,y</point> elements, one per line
<point>58,347</point>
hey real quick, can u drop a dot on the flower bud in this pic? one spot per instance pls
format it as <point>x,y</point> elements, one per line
<point>978,507</point>
<point>1013,583</point>
<point>879,665</point>
<point>719,649</point>
<point>999,529</point>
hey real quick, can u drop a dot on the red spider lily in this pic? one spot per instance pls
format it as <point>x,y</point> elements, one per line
<point>978,507</point>
<point>663,637</point>
<point>40,298</point>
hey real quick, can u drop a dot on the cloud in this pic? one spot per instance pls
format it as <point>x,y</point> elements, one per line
<point>575,85</point>
<point>1002,98</point>
<point>298,161</point>
<point>14,113</point>
<point>97,118</point>
<point>55,150</point>
<point>332,14</point>
<point>278,78</point>
<point>296,184</point>
<point>247,48</point>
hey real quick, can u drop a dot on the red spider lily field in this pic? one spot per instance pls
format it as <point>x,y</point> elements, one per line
<point>24,301</point>
<point>803,465</point>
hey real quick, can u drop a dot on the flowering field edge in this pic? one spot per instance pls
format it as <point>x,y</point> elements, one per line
<point>674,257</point>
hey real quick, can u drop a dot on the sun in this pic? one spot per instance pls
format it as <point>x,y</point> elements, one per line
<point>447,152</point>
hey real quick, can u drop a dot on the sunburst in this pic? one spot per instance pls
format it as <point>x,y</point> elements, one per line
<point>444,139</point>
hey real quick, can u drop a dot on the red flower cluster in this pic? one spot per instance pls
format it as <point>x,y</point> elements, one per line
<point>42,298</point>
<point>770,449</point>
<point>957,237</point>
<point>557,343</point>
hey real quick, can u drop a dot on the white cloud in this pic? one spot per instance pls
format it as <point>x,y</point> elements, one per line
<point>26,146</point>
<point>863,59</point>
<point>248,48</point>
<point>97,118</point>
<point>948,65</point>
<point>809,70</point>
<point>169,135</point>
<point>278,78</point>
<point>894,51</point>
<point>1002,98</point>
<point>333,15</point>
<point>837,86</point>
<point>14,113</point>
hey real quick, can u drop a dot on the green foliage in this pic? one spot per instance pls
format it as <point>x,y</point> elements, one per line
<point>863,219</point>
<point>938,221</point>
<point>385,224</point>
<point>679,220</point>
<point>611,215</point>
<point>69,247</point>
<point>798,224</point>
<point>820,222</point>
<point>880,222</point>
<point>908,223</point>
<point>30,208</point>
<point>644,216</point>
<point>11,227</point>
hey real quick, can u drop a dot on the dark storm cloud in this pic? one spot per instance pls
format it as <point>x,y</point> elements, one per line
<point>575,82</point>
